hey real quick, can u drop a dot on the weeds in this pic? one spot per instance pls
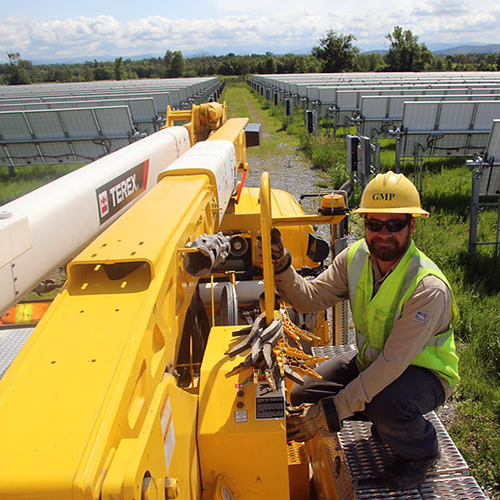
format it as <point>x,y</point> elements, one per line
<point>28,178</point>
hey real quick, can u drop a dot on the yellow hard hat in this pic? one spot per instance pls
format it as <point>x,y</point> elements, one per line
<point>391,193</point>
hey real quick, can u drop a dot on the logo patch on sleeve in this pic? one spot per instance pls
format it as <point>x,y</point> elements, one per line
<point>421,316</point>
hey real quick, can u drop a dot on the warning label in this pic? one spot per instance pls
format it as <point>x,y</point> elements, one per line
<point>119,192</point>
<point>268,403</point>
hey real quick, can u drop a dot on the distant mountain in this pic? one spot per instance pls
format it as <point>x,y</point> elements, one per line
<point>469,49</point>
<point>381,52</point>
<point>440,49</point>
<point>84,59</point>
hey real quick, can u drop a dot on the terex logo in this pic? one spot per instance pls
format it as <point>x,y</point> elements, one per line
<point>120,191</point>
<point>383,196</point>
<point>123,190</point>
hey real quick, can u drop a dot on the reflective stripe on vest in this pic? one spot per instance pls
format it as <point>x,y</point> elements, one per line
<point>374,315</point>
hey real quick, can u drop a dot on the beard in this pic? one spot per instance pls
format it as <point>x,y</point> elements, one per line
<point>387,249</point>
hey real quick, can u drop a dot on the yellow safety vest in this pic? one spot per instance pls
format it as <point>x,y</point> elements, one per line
<point>374,316</point>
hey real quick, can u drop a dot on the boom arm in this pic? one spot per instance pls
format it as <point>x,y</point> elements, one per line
<point>43,230</point>
<point>96,369</point>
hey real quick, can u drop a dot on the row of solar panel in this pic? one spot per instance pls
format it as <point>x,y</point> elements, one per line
<point>162,98</point>
<point>489,183</point>
<point>340,95</point>
<point>349,102</point>
<point>186,87</point>
<point>460,122</point>
<point>460,127</point>
<point>142,110</point>
<point>447,128</point>
<point>57,127</point>
<point>63,135</point>
<point>296,84</point>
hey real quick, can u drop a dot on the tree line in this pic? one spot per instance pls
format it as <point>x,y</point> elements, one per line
<point>335,52</point>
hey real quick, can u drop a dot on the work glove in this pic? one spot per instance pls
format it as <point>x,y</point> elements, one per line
<point>280,256</point>
<point>305,420</point>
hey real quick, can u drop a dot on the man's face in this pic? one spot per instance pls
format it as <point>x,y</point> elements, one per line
<point>385,245</point>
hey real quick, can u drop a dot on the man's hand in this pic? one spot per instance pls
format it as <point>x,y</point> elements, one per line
<point>280,256</point>
<point>304,421</point>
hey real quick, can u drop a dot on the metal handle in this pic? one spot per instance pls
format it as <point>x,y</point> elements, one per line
<point>266,226</point>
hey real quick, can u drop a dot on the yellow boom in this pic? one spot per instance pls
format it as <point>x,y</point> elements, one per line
<point>93,406</point>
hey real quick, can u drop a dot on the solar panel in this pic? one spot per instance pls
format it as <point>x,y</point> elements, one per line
<point>420,115</point>
<point>13,126</point>
<point>45,124</point>
<point>489,184</point>
<point>58,105</point>
<point>142,109</point>
<point>455,144</point>
<point>22,154</point>
<point>456,115</point>
<point>87,151</point>
<point>493,147</point>
<point>374,107</point>
<point>31,106</point>
<point>328,95</point>
<point>79,122</point>
<point>114,121</point>
<point>57,152</point>
<point>117,144</point>
<point>487,111</point>
<point>396,105</point>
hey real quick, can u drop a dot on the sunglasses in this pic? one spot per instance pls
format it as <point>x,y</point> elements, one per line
<point>393,225</point>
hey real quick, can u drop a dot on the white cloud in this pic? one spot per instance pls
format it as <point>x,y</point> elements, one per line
<point>270,26</point>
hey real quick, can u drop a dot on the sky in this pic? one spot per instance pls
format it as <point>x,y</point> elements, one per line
<point>55,30</point>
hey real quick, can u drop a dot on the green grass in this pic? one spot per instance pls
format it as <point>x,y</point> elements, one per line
<point>27,178</point>
<point>275,140</point>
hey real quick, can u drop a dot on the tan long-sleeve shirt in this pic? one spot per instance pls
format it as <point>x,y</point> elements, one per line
<point>426,313</point>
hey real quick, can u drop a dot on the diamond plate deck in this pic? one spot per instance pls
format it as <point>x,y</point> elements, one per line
<point>367,458</point>
<point>333,350</point>
<point>450,488</point>
<point>11,342</point>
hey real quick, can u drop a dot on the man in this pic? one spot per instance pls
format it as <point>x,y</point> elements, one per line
<point>404,313</point>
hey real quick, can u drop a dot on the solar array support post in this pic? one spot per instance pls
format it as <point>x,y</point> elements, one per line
<point>497,242</point>
<point>396,132</point>
<point>477,166</point>
<point>364,161</point>
<point>311,122</point>
<point>418,168</point>
<point>289,109</point>
<point>352,156</point>
<point>376,157</point>
<point>332,113</point>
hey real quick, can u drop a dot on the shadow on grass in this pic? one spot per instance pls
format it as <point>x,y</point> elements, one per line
<point>456,203</point>
<point>482,271</point>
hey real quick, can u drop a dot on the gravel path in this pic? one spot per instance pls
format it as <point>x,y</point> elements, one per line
<point>289,173</point>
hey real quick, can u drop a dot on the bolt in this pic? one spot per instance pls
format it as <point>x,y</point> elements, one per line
<point>171,487</point>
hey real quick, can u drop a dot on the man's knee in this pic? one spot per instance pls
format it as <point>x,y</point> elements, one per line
<point>336,374</point>
<point>297,395</point>
<point>306,393</point>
